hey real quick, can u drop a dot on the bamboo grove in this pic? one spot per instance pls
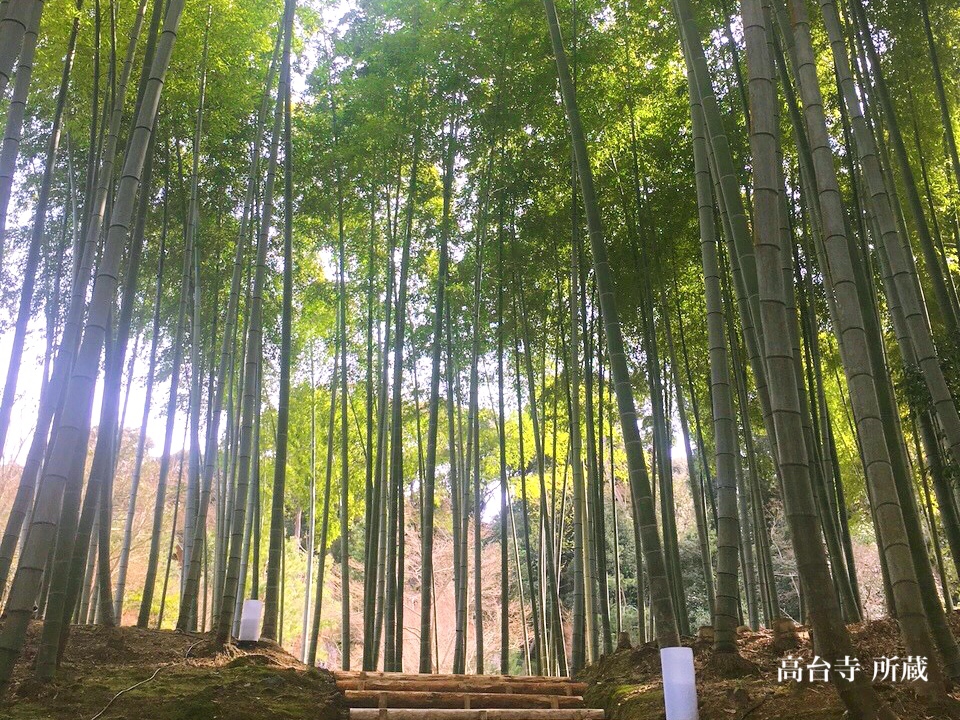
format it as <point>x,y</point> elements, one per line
<point>481,336</point>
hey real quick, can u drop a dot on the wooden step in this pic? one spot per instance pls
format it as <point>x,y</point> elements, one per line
<point>353,674</point>
<point>473,714</point>
<point>453,700</point>
<point>461,683</point>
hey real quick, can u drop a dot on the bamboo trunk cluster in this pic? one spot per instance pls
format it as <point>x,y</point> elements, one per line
<point>628,474</point>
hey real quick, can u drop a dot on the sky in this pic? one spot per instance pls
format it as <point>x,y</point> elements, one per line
<point>24,415</point>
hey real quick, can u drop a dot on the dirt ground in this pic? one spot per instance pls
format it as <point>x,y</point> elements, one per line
<point>186,678</point>
<point>133,674</point>
<point>627,684</point>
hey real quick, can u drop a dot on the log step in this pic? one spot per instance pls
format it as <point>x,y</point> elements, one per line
<point>462,683</point>
<point>353,674</point>
<point>473,714</point>
<point>455,700</point>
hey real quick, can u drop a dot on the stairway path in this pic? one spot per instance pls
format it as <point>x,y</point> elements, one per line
<point>405,696</point>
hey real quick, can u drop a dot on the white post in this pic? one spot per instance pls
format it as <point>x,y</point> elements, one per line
<point>250,621</point>
<point>679,683</point>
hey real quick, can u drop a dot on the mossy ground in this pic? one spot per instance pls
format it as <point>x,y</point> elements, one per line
<point>191,680</point>
<point>627,684</point>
